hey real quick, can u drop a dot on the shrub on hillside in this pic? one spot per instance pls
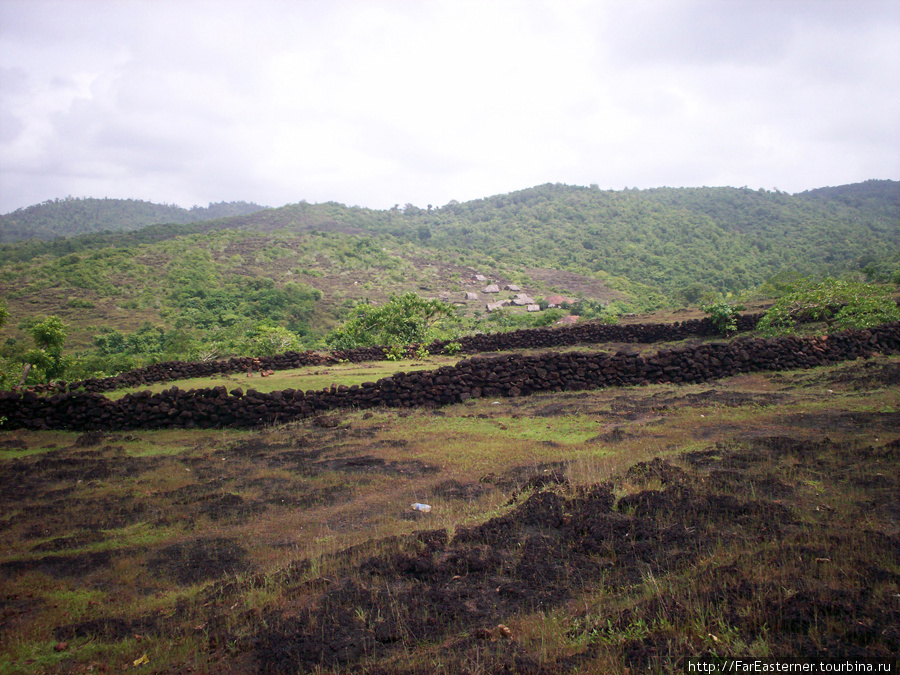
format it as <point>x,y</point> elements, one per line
<point>839,303</point>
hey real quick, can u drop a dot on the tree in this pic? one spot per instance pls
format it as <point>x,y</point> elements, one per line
<point>839,303</point>
<point>268,340</point>
<point>6,376</point>
<point>403,320</point>
<point>49,337</point>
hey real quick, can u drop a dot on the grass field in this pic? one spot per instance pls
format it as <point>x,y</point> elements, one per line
<point>608,531</point>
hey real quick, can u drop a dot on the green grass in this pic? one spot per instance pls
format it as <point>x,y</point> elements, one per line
<point>308,378</point>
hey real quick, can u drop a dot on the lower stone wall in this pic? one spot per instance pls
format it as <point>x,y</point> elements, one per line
<point>513,375</point>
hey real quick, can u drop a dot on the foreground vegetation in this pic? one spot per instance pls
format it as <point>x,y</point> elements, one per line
<point>603,531</point>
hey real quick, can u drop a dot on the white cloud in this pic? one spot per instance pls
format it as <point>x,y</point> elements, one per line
<point>376,103</point>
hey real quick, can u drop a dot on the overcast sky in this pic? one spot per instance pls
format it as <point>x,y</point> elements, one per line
<point>375,103</point>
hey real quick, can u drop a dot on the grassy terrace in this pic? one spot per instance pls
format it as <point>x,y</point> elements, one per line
<point>319,377</point>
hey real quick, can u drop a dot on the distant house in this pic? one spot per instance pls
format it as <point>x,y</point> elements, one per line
<point>558,300</point>
<point>493,288</point>
<point>523,301</point>
<point>494,306</point>
<point>533,308</point>
<point>471,296</point>
<point>512,287</point>
<point>566,320</point>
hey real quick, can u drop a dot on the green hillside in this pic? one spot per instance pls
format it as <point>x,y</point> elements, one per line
<point>69,217</point>
<point>207,288</point>
<point>682,241</point>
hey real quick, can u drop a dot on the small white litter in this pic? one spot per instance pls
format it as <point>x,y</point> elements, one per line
<point>421,507</point>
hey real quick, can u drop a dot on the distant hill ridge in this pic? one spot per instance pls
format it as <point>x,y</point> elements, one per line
<point>73,216</point>
<point>676,243</point>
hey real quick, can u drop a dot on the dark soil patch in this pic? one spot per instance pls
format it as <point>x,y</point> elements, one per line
<point>16,609</point>
<point>72,541</point>
<point>209,500</point>
<point>657,469</point>
<point>309,498</point>
<point>847,421</point>
<point>615,435</point>
<point>453,489</point>
<point>735,481</point>
<point>29,479</point>
<point>229,506</point>
<point>371,464</point>
<point>89,440</point>
<point>872,374</point>
<point>111,629</point>
<point>529,476</point>
<point>199,560</point>
<point>554,410</point>
<point>535,557</point>
<point>300,461</point>
<point>103,513</point>
<point>60,566</point>
<point>731,399</point>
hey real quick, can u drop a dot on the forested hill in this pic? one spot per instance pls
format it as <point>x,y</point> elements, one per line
<point>683,242</point>
<point>73,216</point>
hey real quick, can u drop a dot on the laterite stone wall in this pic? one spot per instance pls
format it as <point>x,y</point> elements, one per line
<point>541,338</point>
<point>481,376</point>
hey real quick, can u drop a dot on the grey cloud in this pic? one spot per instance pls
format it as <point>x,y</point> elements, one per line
<point>371,103</point>
<point>742,32</point>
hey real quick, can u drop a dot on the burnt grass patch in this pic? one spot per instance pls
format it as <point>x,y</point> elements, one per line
<point>60,566</point>
<point>778,536</point>
<point>191,562</point>
<point>738,554</point>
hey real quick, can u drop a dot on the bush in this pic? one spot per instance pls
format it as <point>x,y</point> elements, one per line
<point>394,353</point>
<point>452,348</point>
<point>839,303</point>
<point>723,316</point>
<point>405,319</point>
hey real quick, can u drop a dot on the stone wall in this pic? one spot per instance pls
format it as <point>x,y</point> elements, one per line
<point>532,338</point>
<point>497,376</point>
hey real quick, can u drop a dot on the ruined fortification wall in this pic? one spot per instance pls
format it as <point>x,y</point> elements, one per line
<point>541,338</point>
<point>497,376</point>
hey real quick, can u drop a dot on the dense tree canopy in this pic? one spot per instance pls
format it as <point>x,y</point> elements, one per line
<point>71,216</point>
<point>403,320</point>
